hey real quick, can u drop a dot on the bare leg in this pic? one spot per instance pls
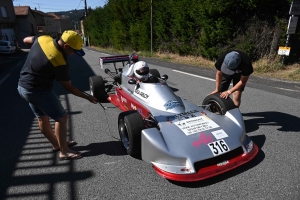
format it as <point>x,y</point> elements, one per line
<point>47,131</point>
<point>61,134</point>
<point>237,96</point>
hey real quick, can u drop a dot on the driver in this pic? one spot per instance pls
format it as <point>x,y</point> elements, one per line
<point>133,58</point>
<point>141,73</point>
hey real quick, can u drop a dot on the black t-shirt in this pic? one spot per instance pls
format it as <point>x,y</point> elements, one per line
<point>245,67</point>
<point>45,63</point>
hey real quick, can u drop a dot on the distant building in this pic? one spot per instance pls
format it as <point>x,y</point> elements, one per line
<point>60,23</point>
<point>45,23</point>
<point>26,23</point>
<point>7,20</point>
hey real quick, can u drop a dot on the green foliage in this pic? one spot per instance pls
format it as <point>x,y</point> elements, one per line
<point>189,27</point>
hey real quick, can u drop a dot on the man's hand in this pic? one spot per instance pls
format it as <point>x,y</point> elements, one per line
<point>213,92</point>
<point>225,94</point>
<point>92,99</point>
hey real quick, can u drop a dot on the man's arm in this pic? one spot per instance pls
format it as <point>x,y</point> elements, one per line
<point>219,76</point>
<point>28,41</point>
<point>240,84</point>
<point>67,85</point>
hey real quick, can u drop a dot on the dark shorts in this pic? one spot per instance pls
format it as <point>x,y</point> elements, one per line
<point>43,103</point>
<point>226,80</point>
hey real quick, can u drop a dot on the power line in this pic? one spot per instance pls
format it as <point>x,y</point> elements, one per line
<point>79,3</point>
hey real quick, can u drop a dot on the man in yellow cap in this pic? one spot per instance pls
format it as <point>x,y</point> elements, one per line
<point>46,62</point>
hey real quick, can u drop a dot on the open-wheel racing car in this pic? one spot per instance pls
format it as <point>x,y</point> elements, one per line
<point>183,142</point>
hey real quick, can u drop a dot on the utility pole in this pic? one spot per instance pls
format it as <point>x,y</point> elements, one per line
<point>86,14</point>
<point>294,10</point>
<point>151,27</point>
<point>85,7</point>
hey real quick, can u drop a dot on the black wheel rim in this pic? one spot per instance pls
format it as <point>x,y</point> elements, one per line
<point>215,107</point>
<point>123,134</point>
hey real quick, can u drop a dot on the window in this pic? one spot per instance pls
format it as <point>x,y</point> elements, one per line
<point>3,11</point>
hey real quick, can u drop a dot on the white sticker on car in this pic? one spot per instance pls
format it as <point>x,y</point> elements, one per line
<point>196,125</point>
<point>218,147</point>
<point>140,93</point>
<point>219,134</point>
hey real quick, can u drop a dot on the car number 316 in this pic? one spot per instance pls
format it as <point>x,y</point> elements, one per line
<point>218,147</point>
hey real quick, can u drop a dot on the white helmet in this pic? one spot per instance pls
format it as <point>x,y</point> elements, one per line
<point>141,70</point>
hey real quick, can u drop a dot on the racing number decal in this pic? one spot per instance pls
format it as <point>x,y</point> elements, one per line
<point>218,147</point>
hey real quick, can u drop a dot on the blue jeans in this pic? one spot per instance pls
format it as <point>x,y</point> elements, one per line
<point>43,103</point>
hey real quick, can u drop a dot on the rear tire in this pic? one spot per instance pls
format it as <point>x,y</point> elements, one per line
<point>217,104</point>
<point>97,87</point>
<point>130,125</point>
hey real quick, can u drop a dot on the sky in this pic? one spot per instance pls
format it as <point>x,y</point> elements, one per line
<point>59,5</point>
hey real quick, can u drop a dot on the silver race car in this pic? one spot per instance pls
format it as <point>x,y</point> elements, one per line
<point>183,142</point>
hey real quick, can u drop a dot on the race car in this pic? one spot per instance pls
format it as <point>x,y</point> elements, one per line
<point>183,142</point>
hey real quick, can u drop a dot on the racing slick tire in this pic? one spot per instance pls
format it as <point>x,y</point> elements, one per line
<point>130,125</point>
<point>218,104</point>
<point>97,87</point>
<point>155,73</point>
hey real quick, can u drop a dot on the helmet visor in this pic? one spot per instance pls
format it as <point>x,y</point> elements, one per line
<point>143,71</point>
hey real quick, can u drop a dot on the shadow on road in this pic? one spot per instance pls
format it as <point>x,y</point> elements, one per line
<point>286,122</point>
<point>113,148</point>
<point>29,168</point>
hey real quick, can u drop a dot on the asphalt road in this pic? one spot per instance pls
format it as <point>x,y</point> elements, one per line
<point>30,170</point>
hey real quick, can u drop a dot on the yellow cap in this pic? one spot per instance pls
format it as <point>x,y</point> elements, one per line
<point>72,39</point>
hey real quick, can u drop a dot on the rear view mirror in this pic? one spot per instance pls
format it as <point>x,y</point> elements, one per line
<point>132,81</point>
<point>164,77</point>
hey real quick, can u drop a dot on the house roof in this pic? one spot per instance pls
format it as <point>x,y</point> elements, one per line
<point>53,15</point>
<point>21,10</point>
<point>40,13</point>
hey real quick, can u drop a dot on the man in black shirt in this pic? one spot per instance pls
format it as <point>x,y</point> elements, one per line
<point>235,66</point>
<point>46,62</point>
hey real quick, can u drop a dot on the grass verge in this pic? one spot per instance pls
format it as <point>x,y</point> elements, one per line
<point>264,67</point>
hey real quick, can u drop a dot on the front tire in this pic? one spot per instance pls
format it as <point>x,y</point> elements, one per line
<point>130,125</point>
<point>218,105</point>
<point>97,87</point>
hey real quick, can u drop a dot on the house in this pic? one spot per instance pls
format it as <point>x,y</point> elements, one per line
<point>45,23</point>
<point>60,23</point>
<point>26,23</point>
<point>7,21</point>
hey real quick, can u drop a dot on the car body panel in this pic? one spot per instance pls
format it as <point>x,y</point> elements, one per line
<point>189,142</point>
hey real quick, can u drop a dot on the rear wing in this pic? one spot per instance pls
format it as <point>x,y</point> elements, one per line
<point>113,59</point>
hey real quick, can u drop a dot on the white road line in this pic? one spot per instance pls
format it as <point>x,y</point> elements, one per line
<point>287,89</point>
<point>210,79</point>
<point>230,84</point>
<point>5,77</point>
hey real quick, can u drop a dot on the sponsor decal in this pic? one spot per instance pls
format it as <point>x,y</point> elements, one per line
<point>225,162</point>
<point>185,115</point>
<point>172,104</point>
<point>227,167</point>
<point>219,134</point>
<point>140,111</point>
<point>195,125</point>
<point>123,100</point>
<point>218,147</point>
<point>141,94</point>
<point>133,107</point>
<point>249,146</point>
<point>203,139</point>
<point>185,169</point>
